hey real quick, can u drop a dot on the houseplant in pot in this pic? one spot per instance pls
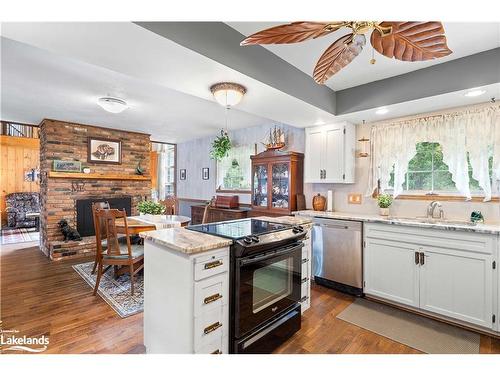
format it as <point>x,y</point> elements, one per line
<point>384,202</point>
<point>147,207</point>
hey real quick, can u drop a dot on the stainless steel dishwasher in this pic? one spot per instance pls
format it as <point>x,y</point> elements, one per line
<point>337,254</point>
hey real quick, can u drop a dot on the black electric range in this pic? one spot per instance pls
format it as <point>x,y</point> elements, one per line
<point>265,282</point>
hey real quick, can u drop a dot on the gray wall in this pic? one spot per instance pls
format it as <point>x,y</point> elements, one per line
<point>195,155</point>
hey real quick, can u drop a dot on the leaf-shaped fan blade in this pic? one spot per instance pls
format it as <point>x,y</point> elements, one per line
<point>338,55</point>
<point>292,33</point>
<point>411,41</point>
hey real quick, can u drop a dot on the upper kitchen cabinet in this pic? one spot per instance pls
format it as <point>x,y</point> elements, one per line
<point>277,178</point>
<point>330,153</point>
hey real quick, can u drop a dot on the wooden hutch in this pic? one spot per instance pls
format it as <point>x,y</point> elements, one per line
<point>277,178</point>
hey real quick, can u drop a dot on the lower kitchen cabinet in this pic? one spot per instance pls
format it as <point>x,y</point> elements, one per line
<point>449,273</point>
<point>458,285</point>
<point>390,271</point>
<point>305,300</point>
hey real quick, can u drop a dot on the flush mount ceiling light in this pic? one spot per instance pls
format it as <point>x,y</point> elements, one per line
<point>228,94</point>
<point>381,111</point>
<point>474,92</point>
<point>113,105</point>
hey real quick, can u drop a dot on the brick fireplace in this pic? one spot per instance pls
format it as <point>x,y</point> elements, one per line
<point>59,193</point>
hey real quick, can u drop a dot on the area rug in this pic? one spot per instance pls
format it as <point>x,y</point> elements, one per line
<point>12,236</point>
<point>418,332</point>
<point>116,292</point>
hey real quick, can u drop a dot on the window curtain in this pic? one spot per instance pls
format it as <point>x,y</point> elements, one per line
<point>475,131</point>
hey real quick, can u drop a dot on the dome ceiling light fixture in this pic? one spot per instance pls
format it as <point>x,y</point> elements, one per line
<point>111,104</point>
<point>228,94</point>
<point>474,92</point>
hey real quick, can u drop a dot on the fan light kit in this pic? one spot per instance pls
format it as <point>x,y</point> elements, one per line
<point>405,41</point>
<point>474,92</point>
<point>228,94</point>
<point>113,105</point>
<point>381,111</point>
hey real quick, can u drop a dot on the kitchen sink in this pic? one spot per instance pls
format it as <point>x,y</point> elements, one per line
<point>427,220</point>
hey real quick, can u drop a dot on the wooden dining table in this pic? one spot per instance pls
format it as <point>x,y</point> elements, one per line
<point>138,224</point>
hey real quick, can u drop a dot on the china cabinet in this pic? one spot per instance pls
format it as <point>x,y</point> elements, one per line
<point>277,178</point>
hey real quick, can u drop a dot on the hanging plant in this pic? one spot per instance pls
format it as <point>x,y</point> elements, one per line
<point>220,146</point>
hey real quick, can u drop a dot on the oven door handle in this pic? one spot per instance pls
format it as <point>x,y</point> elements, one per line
<point>285,251</point>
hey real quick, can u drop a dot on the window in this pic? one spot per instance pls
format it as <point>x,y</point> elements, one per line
<point>233,172</point>
<point>163,169</point>
<point>428,173</point>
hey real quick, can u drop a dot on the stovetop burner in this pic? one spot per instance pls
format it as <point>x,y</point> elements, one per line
<point>249,228</point>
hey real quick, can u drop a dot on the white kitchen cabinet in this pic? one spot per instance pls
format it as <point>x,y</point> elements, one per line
<point>450,273</point>
<point>390,271</point>
<point>330,153</point>
<point>457,284</point>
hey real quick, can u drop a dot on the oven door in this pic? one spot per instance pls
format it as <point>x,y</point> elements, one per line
<point>265,286</point>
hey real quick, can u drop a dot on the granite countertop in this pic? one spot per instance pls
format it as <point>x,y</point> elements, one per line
<point>490,228</point>
<point>190,242</point>
<point>185,240</point>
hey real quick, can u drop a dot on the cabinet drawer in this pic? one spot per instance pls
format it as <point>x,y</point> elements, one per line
<point>305,252</point>
<point>209,327</point>
<point>305,287</point>
<point>210,293</point>
<point>211,265</point>
<point>218,346</point>
<point>305,268</point>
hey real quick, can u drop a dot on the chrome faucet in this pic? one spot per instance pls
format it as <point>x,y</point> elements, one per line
<point>432,207</point>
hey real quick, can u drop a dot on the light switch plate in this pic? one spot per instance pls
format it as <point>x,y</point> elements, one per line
<point>354,199</point>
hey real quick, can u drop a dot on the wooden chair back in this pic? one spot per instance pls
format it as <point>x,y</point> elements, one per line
<point>102,206</point>
<point>170,204</point>
<point>106,218</point>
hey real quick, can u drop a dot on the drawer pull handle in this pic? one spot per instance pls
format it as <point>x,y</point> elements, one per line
<point>304,280</point>
<point>212,298</point>
<point>210,265</point>
<point>212,327</point>
<point>303,299</point>
<point>305,260</point>
<point>218,351</point>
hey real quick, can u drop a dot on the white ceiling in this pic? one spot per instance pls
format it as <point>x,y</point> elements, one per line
<point>463,39</point>
<point>37,84</point>
<point>133,52</point>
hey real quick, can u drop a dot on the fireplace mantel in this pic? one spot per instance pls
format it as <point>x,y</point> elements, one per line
<point>97,176</point>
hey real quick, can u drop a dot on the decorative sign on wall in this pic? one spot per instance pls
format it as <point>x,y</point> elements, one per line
<point>77,186</point>
<point>106,151</point>
<point>67,166</point>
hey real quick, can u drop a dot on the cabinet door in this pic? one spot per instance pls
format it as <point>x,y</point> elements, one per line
<point>457,284</point>
<point>315,145</point>
<point>334,154</point>
<point>259,185</point>
<point>390,271</point>
<point>280,193</point>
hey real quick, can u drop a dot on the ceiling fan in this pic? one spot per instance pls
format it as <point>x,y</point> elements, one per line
<point>406,41</point>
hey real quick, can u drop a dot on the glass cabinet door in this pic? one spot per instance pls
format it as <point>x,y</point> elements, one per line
<point>260,185</point>
<point>280,185</point>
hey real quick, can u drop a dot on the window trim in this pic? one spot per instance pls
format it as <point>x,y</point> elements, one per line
<point>175,162</point>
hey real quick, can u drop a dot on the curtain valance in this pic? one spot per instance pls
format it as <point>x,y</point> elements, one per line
<point>475,131</point>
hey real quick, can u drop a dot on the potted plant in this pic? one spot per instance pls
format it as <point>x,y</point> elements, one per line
<point>147,207</point>
<point>220,146</point>
<point>384,202</point>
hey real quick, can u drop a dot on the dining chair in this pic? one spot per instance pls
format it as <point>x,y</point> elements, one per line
<point>116,253</point>
<point>103,206</point>
<point>170,204</point>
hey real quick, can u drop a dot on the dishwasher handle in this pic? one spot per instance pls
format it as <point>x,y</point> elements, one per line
<point>333,226</point>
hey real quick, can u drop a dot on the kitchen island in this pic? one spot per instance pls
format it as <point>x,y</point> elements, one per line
<point>187,287</point>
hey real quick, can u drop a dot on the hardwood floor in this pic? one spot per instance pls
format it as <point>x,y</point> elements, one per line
<point>39,296</point>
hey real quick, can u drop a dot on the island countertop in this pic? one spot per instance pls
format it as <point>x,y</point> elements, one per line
<point>191,242</point>
<point>493,228</point>
<point>185,240</point>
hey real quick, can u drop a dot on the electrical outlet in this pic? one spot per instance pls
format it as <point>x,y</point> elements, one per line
<point>354,199</point>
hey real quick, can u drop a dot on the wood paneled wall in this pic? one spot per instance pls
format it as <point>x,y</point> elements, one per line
<point>17,156</point>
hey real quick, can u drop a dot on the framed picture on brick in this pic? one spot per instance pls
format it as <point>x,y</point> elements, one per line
<point>102,150</point>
